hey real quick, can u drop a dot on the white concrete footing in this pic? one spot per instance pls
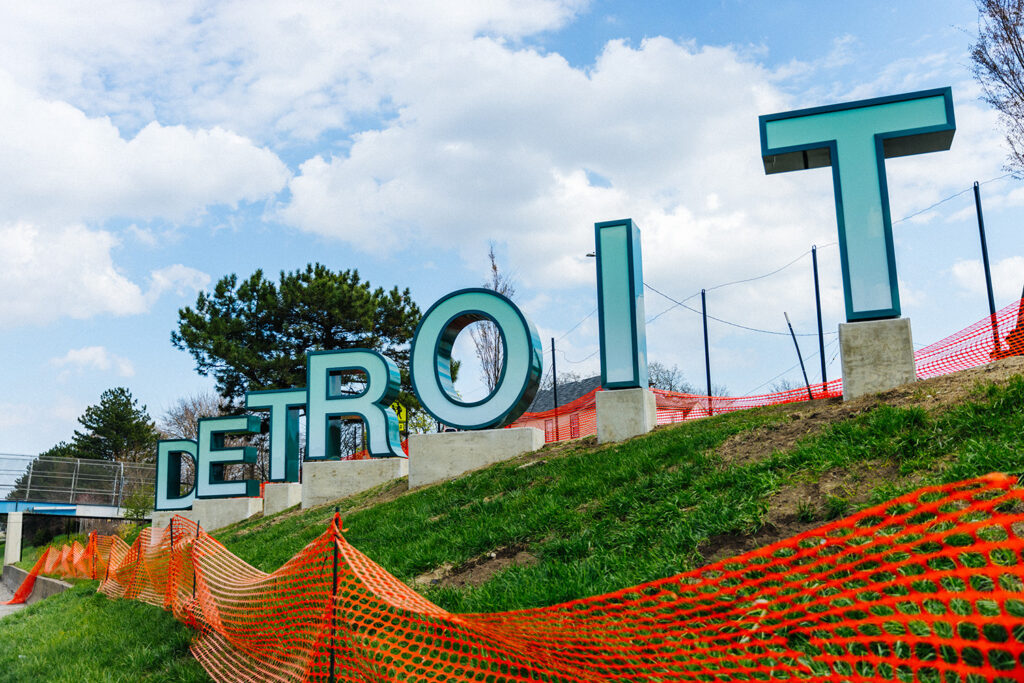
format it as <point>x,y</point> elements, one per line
<point>214,513</point>
<point>161,518</point>
<point>877,355</point>
<point>12,547</point>
<point>436,457</point>
<point>625,413</point>
<point>278,496</point>
<point>330,480</point>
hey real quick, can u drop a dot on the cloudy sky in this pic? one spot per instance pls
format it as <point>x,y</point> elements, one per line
<point>149,148</point>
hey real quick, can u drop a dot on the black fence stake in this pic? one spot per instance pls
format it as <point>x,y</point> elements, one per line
<point>194,575</point>
<point>334,593</point>
<point>817,303</point>
<point>988,270</point>
<point>799,356</point>
<point>707,354</point>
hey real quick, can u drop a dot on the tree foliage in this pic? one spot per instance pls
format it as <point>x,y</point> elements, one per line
<point>486,337</point>
<point>116,429</point>
<point>998,57</point>
<point>254,334</point>
<point>661,376</point>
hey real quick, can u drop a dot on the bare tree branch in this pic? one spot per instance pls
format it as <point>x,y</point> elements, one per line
<point>998,57</point>
<point>486,337</point>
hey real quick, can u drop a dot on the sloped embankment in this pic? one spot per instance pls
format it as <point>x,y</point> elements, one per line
<point>578,519</point>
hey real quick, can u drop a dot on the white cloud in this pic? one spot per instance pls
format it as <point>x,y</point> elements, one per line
<point>62,272</point>
<point>256,66</point>
<point>57,164</point>
<point>68,271</point>
<point>182,280</point>
<point>94,358</point>
<point>1007,278</point>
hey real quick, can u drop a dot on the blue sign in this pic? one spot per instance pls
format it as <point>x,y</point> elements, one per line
<point>854,139</point>
<point>623,364</point>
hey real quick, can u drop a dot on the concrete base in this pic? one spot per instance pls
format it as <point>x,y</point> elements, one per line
<point>280,496</point>
<point>436,457</point>
<point>877,355</point>
<point>12,549</point>
<point>214,513</point>
<point>161,519</point>
<point>625,413</point>
<point>323,482</point>
<point>44,586</point>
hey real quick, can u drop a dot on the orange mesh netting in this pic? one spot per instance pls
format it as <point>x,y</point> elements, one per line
<point>982,342</point>
<point>928,587</point>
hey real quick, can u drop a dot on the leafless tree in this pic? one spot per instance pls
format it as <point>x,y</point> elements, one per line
<point>486,338</point>
<point>661,376</point>
<point>998,57</point>
<point>181,419</point>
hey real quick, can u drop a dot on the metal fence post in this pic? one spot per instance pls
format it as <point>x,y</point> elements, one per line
<point>799,356</point>
<point>817,304</point>
<point>28,486</point>
<point>334,593</point>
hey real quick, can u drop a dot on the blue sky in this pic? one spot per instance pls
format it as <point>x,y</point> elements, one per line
<point>147,149</point>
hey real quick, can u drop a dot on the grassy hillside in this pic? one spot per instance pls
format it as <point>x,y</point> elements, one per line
<point>579,519</point>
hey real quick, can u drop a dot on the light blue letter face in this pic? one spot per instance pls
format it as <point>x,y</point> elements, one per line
<point>168,474</point>
<point>431,360</point>
<point>855,138</point>
<point>284,406</point>
<point>620,305</point>
<point>325,402</point>
<point>213,454</point>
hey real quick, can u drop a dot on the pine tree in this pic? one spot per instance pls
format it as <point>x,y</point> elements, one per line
<point>116,429</point>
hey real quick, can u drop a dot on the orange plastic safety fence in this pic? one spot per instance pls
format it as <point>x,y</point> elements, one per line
<point>928,587</point>
<point>982,342</point>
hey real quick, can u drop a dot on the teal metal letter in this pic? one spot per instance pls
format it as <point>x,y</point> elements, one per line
<point>854,139</point>
<point>431,360</point>
<point>213,456</point>
<point>284,406</point>
<point>324,401</point>
<point>620,305</point>
<point>168,474</point>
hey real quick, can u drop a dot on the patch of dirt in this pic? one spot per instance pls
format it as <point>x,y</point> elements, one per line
<point>477,571</point>
<point>810,417</point>
<point>804,505</point>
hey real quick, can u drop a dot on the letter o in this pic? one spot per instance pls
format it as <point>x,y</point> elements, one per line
<point>430,363</point>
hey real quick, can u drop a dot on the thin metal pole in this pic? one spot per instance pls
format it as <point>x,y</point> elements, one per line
<point>74,481</point>
<point>194,575</point>
<point>798,355</point>
<point>334,594</point>
<point>554,386</point>
<point>817,303</point>
<point>707,354</point>
<point>28,486</point>
<point>988,270</point>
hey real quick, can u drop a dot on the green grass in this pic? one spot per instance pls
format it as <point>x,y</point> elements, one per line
<point>80,635</point>
<point>600,519</point>
<point>597,519</point>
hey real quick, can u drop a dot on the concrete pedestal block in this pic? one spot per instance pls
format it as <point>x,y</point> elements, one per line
<point>330,480</point>
<point>161,518</point>
<point>436,457</point>
<point>214,513</point>
<point>877,355</point>
<point>280,496</point>
<point>12,549</point>
<point>625,413</point>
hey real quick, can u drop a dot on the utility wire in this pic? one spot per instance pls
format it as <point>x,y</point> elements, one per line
<point>952,196</point>
<point>577,325</point>
<point>727,322</point>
